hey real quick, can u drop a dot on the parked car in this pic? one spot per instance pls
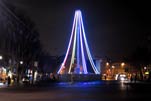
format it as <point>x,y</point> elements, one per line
<point>121,77</point>
<point>25,80</point>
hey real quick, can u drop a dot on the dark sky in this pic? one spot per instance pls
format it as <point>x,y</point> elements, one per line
<point>113,28</point>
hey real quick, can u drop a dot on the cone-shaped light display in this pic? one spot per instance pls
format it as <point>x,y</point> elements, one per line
<point>78,47</point>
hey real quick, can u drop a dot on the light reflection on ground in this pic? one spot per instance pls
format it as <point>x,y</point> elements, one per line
<point>2,85</point>
<point>80,84</point>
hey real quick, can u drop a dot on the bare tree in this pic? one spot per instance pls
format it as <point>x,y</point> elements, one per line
<point>20,39</point>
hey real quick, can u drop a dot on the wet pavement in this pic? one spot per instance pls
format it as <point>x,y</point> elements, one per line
<point>79,91</point>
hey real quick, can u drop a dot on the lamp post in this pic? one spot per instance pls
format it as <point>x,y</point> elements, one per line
<point>123,66</point>
<point>113,71</point>
<point>19,71</point>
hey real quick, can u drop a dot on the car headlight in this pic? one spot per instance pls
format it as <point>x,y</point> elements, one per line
<point>122,78</point>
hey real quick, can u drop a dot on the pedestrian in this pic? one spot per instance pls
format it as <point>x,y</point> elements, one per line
<point>105,77</point>
<point>72,77</point>
<point>135,78</point>
<point>53,77</point>
<point>8,81</point>
<point>131,78</point>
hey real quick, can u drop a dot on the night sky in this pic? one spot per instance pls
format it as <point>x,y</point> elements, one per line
<point>113,28</point>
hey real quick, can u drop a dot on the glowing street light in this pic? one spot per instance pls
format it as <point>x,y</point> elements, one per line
<point>1,57</point>
<point>107,64</point>
<point>21,62</point>
<point>122,64</point>
<point>113,67</point>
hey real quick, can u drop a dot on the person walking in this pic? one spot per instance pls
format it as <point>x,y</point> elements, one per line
<point>8,81</point>
<point>131,78</point>
<point>105,77</point>
<point>135,79</point>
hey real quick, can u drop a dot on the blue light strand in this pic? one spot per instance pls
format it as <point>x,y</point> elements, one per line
<point>74,44</point>
<point>88,52</point>
<point>68,49</point>
<point>82,50</point>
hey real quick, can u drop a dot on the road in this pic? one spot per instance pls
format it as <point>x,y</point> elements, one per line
<point>81,91</point>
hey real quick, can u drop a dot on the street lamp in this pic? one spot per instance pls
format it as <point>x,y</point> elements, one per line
<point>107,64</point>
<point>113,71</point>
<point>21,62</point>
<point>113,67</point>
<point>1,57</point>
<point>122,64</point>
